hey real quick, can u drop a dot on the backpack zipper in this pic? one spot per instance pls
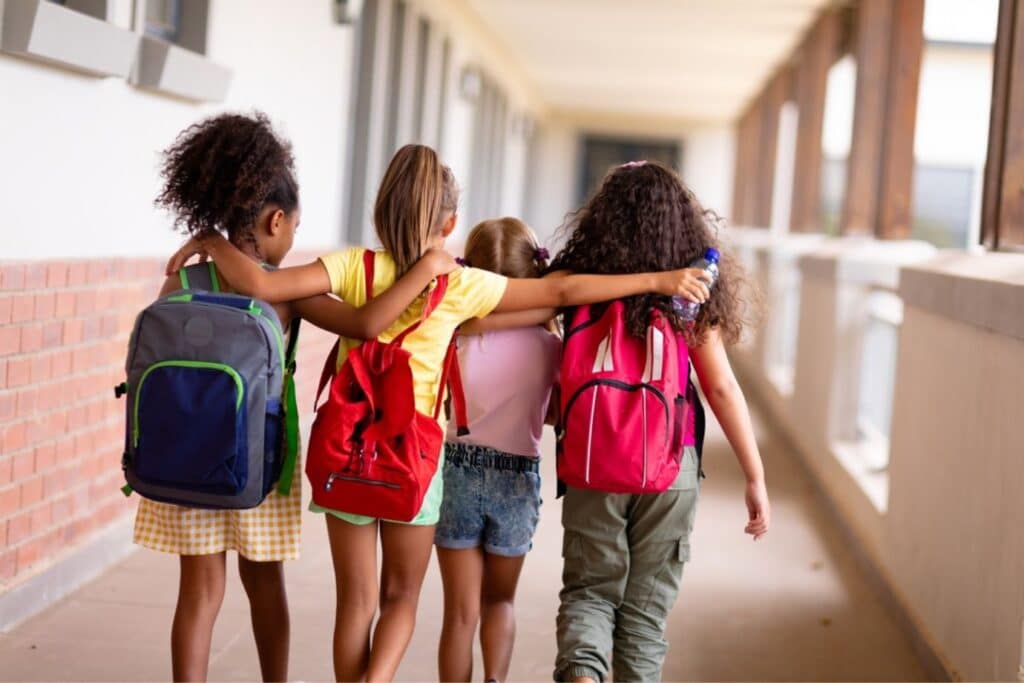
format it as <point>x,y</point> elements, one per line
<point>329,484</point>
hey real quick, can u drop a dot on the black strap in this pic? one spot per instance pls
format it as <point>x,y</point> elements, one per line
<point>293,342</point>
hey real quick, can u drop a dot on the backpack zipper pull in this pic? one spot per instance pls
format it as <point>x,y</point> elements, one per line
<point>330,481</point>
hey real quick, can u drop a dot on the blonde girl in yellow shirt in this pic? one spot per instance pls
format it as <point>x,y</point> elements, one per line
<point>415,211</point>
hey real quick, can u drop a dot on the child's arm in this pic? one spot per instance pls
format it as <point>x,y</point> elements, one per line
<point>338,317</point>
<point>299,282</point>
<point>730,408</point>
<point>367,322</point>
<point>576,290</point>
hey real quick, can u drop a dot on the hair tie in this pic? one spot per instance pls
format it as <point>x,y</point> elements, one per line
<point>540,254</point>
<point>462,262</point>
<point>633,164</point>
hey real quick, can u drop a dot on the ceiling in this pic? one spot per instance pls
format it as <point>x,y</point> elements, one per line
<point>694,60</point>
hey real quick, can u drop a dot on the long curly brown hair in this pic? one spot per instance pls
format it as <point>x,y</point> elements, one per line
<point>220,173</point>
<point>643,218</point>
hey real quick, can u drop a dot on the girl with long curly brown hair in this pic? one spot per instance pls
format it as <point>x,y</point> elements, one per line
<point>233,174</point>
<point>624,553</point>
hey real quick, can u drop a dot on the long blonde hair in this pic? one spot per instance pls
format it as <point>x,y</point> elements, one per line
<point>416,196</point>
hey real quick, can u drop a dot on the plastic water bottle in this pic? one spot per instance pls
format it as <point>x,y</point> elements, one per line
<point>687,309</point>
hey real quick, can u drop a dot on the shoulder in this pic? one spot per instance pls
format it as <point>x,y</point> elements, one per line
<point>475,292</point>
<point>342,266</point>
<point>468,278</point>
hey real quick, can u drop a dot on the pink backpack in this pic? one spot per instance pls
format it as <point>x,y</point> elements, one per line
<point>625,403</point>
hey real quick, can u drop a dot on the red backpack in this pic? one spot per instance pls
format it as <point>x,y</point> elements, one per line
<point>625,403</point>
<point>370,451</point>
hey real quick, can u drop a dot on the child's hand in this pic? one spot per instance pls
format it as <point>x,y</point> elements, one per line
<point>758,509</point>
<point>440,261</point>
<point>188,250</point>
<point>693,284</point>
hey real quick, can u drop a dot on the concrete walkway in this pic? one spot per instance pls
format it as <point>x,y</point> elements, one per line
<point>790,607</point>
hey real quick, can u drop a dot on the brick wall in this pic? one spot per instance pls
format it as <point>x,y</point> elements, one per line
<point>64,329</point>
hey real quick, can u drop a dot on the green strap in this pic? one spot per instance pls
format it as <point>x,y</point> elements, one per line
<point>127,490</point>
<point>184,279</point>
<point>291,436</point>
<point>291,413</point>
<point>214,282</point>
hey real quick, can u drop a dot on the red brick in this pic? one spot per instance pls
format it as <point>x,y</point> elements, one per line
<point>56,422</point>
<point>10,339</point>
<point>8,403</point>
<point>35,276</point>
<point>6,467</point>
<point>53,333</point>
<point>65,449</point>
<point>19,372</point>
<point>42,517</point>
<point>90,329</point>
<point>23,308</point>
<point>31,338</point>
<point>6,306</point>
<point>77,273</point>
<point>49,396</point>
<point>61,362</point>
<point>108,325</point>
<point>19,528</point>
<point>65,304</point>
<point>37,432</point>
<point>78,418</point>
<point>23,464</point>
<point>12,277</point>
<point>8,501</point>
<point>8,564</point>
<point>31,491</point>
<point>29,553</point>
<point>45,458</point>
<point>61,506</point>
<point>13,437</point>
<point>40,369</point>
<point>85,302</point>
<point>97,271</point>
<point>26,402</point>
<point>56,275</point>
<point>73,331</point>
<point>46,305</point>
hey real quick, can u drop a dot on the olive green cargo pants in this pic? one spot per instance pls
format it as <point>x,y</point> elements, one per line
<point>623,561</point>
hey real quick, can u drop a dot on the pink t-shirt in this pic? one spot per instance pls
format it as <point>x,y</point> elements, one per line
<point>507,376</point>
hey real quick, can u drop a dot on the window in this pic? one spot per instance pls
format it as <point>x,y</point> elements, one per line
<point>93,8</point>
<point>835,140</point>
<point>163,19</point>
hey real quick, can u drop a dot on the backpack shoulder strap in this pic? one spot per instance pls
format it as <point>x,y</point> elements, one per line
<point>369,258</point>
<point>200,276</point>
<point>434,300</point>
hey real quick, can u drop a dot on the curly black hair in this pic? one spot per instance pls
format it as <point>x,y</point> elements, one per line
<point>643,218</point>
<point>221,172</point>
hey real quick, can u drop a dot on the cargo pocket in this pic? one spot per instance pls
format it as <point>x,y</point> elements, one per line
<point>665,583</point>
<point>272,444</point>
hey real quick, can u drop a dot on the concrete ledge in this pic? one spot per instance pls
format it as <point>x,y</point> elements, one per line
<point>864,261</point>
<point>81,565</point>
<point>44,31</point>
<point>985,290</point>
<point>173,70</point>
<point>760,391</point>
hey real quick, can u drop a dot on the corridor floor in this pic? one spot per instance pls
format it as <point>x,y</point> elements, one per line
<point>792,606</point>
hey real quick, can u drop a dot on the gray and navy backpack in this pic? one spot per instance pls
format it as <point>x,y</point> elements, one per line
<point>207,371</point>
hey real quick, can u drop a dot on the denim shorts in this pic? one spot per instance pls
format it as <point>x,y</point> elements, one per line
<point>487,501</point>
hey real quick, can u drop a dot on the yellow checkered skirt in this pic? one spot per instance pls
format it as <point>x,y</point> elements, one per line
<point>268,532</point>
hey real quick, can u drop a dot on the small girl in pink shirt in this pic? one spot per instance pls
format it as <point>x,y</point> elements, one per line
<point>491,499</point>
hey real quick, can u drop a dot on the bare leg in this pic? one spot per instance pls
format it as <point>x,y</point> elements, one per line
<point>406,554</point>
<point>498,626</point>
<point>354,551</point>
<point>268,608</point>
<point>200,594</point>
<point>462,576</point>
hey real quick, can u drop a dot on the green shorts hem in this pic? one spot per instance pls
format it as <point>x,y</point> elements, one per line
<point>429,514</point>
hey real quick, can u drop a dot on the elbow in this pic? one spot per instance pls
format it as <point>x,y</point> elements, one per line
<point>365,329</point>
<point>724,391</point>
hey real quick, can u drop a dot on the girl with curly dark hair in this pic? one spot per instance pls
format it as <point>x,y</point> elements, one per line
<point>233,174</point>
<point>624,553</point>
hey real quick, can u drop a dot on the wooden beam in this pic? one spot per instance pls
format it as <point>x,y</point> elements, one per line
<point>771,101</point>
<point>816,56</point>
<point>1003,200</point>
<point>897,164</point>
<point>872,49</point>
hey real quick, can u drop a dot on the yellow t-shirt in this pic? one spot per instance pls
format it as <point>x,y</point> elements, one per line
<point>471,293</point>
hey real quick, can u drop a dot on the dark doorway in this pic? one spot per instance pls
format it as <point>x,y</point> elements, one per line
<point>601,154</point>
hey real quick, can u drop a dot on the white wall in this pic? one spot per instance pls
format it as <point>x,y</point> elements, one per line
<point>81,154</point>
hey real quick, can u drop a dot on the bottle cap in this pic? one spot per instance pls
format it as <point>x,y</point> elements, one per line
<point>712,255</point>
